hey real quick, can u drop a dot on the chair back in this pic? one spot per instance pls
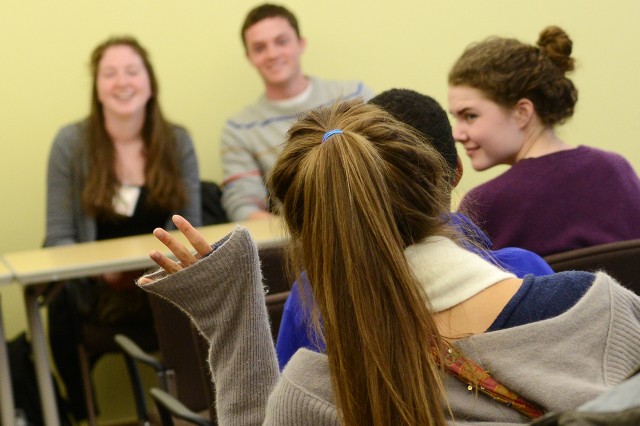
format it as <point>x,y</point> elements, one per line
<point>179,350</point>
<point>621,260</point>
<point>211,199</point>
<point>169,407</point>
<point>274,268</point>
<point>275,307</point>
<point>184,351</point>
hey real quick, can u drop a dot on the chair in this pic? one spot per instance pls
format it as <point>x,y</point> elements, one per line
<point>275,307</point>
<point>211,197</point>
<point>80,343</point>
<point>274,268</point>
<point>182,368</point>
<point>276,281</point>
<point>169,407</point>
<point>185,388</point>
<point>184,351</point>
<point>620,259</point>
<point>166,401</point>
<point>184,355</point>
<point>176,336</point>
<point>133,354</point>
<point>99,340</point>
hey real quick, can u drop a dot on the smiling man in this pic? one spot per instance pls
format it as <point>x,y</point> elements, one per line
<point>252,139</point>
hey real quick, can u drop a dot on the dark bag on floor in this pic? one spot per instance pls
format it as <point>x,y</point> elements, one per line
<point>25,384</point>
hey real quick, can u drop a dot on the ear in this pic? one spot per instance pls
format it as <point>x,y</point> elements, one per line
<point>459,171</point>
<point>523,112</point>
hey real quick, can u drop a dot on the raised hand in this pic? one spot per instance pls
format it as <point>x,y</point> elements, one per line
<point>182,253</point>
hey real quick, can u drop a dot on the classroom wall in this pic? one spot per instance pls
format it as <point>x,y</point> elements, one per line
<point>204,77</point>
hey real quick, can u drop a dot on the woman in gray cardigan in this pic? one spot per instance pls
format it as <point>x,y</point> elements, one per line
<point>364,201</point>
<point>122,171</point>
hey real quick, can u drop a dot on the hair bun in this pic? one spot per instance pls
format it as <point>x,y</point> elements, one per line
<point>557,45</point>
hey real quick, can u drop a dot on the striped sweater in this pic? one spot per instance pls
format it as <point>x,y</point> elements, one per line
<point>253,138</point>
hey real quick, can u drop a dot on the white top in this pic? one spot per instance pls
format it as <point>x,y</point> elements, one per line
<point>450,274</point>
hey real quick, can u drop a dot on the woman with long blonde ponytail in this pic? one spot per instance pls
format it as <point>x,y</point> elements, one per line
<point>351,211</point>
<point>418,330</point>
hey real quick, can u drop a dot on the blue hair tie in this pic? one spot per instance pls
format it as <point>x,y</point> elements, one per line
<point>330,133</point>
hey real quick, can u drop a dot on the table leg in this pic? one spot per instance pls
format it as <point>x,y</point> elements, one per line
<point>41,358</point>
<point>7,407</point>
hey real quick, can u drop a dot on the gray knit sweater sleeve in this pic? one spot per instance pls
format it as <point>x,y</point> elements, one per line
<point>224,297</point>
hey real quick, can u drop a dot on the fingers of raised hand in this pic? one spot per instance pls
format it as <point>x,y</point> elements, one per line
<point>194,237</point>
<point>185,257</point>
<point>145,281</point>
<point>164,262</point>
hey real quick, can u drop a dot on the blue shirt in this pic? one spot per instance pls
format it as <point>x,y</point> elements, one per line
<point>539,298</point>
<point>295,330</point>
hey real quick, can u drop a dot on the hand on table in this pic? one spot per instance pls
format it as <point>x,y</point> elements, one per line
<point>184,256</point>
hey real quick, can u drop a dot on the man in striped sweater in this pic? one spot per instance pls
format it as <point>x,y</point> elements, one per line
<point>252,138</point>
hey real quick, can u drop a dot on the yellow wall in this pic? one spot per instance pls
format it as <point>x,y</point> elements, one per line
<point>195,47</point>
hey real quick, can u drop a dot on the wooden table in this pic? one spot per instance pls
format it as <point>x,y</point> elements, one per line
<point>7,408</point>
<point>34,268</point>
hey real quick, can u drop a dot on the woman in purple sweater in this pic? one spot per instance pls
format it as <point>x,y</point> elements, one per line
<point>507,97</point>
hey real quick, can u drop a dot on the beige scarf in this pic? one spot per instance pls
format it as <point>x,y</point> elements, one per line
<point>449,274</point>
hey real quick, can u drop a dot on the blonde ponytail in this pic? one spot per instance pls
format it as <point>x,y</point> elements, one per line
<point>352,205</point>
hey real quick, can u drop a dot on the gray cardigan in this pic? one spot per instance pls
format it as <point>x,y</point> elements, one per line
<point>67,222</point>
<point>558,363</point>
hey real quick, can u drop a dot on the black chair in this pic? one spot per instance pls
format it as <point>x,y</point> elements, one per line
<point>91,341</point>
<point>134,354</point>
<point>621,260</point>
<point>176,337</point>
<point>184,354</point>
<point>170,408</point>
<point>185,389</point>
<point>182,367</point>
<point>275,307</point>
<point>99,340</point>
<point>211,197</point>
<point>274,268</point>
<point>81,343</point>
<point>166,379</point>
<point>183,351</point>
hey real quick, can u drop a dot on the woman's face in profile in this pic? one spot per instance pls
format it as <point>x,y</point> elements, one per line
<point>122,83</point>
<point>489,133</point>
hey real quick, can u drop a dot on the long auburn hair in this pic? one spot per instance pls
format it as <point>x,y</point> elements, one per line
<point>162,172</point>
<point>352,205</point>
